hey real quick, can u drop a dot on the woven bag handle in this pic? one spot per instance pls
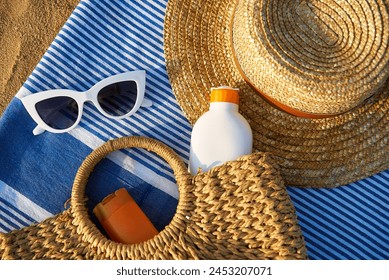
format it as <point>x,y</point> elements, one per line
<point>78,199</point>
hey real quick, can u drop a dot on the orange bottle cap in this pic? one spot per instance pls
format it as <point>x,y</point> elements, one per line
<point>123,220</point>
<point>225,94</point>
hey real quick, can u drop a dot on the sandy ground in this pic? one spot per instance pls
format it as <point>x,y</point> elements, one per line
<point>27,27</point>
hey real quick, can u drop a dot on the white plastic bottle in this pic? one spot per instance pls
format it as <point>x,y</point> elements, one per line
<point>221,134</point>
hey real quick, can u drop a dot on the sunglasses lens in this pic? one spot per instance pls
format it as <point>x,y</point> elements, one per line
<point>58,112</point>
<point>118,99</point>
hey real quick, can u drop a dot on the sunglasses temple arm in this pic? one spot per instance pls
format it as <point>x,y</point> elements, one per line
<point>146,103</point>
<point>38,130</point>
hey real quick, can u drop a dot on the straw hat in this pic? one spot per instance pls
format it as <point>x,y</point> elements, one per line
<point>313,78</point>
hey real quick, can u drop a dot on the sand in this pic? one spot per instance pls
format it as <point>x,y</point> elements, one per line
<point>27,27</point>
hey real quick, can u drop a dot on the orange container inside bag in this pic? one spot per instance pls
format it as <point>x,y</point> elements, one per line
<point>123,220</point>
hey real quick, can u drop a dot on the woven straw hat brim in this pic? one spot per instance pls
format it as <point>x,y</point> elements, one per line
<point>325,152</point>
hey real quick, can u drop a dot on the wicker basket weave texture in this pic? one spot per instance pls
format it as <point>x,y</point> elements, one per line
<point>240,210</point>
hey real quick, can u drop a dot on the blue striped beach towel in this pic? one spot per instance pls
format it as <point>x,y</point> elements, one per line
<point>102,38</point>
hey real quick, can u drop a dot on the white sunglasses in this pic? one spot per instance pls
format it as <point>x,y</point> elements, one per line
<point>60,110</point>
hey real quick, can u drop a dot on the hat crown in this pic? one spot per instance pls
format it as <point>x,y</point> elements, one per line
<point>319,57</point>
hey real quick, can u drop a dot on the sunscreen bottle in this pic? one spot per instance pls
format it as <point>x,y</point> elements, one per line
<point>123,220</point>
<point>221,134</point>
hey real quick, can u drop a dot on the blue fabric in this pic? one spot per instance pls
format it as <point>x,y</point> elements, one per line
<point>102,38</point>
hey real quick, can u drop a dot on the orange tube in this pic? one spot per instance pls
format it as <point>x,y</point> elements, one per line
<point>123,220</point>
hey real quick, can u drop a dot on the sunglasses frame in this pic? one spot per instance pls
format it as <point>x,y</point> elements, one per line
<point>139,77</point>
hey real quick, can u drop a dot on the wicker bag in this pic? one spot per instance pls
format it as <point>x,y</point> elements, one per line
<point>239,210</point>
